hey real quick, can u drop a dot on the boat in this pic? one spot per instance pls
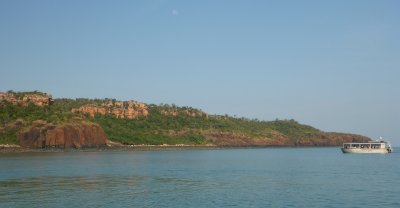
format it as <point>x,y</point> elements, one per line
<point>378,146</point>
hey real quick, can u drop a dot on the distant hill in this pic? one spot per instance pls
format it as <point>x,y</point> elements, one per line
<point>34,119</point>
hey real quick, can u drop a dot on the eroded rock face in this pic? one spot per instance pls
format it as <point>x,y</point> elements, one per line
<point>39,99</point>
<point>119,109</point>
<point>74,135</point>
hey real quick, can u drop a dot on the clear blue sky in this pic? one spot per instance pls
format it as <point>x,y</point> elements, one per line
<point>334,65</point>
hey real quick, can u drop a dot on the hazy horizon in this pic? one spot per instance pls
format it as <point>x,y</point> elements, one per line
<point>333,65</point>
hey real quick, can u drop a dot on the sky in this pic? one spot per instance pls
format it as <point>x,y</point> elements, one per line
<point>334,65</point>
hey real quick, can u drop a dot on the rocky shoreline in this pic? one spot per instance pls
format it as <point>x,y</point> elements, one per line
<point>5,148</point>
<point>18,149</point>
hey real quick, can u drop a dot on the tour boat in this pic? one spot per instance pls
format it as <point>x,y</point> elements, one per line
<point>379,146</point>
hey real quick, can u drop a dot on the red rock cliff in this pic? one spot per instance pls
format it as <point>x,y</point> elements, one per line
<point>74,135</point>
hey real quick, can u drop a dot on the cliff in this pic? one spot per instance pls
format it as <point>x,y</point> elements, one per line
<point>118,109</point>
<point>72,135</point>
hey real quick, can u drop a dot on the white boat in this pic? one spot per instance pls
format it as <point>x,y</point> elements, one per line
<point>379,146</point>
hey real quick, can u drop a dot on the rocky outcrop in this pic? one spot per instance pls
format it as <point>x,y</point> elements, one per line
<point>187,112</point>
<point>73,135</point>
<point>24,99</point>
<point>169,112</point>
<point>119,109</point>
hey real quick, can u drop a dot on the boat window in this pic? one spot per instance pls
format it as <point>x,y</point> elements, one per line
<point>355,145</point>
<point>375,146</point>
<point>365,145</point>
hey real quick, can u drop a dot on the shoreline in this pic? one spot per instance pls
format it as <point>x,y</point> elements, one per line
<point>5,148</point>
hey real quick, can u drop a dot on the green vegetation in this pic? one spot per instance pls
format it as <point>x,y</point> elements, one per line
<point>180,125</point>
<point>15,118</point>
<point>183,129</point>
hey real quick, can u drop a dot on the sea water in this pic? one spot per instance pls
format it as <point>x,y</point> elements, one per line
<point>267,177</point>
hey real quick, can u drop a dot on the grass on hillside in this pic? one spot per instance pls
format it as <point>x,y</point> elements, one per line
<point>154,129</point>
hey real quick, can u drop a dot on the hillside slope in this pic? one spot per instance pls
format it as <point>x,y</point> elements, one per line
<point>132,122</point>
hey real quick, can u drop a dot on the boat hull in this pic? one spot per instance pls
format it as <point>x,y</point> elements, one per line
<point>361,151</point>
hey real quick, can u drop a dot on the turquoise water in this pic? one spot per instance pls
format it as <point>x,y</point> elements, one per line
<point>271,177</point>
